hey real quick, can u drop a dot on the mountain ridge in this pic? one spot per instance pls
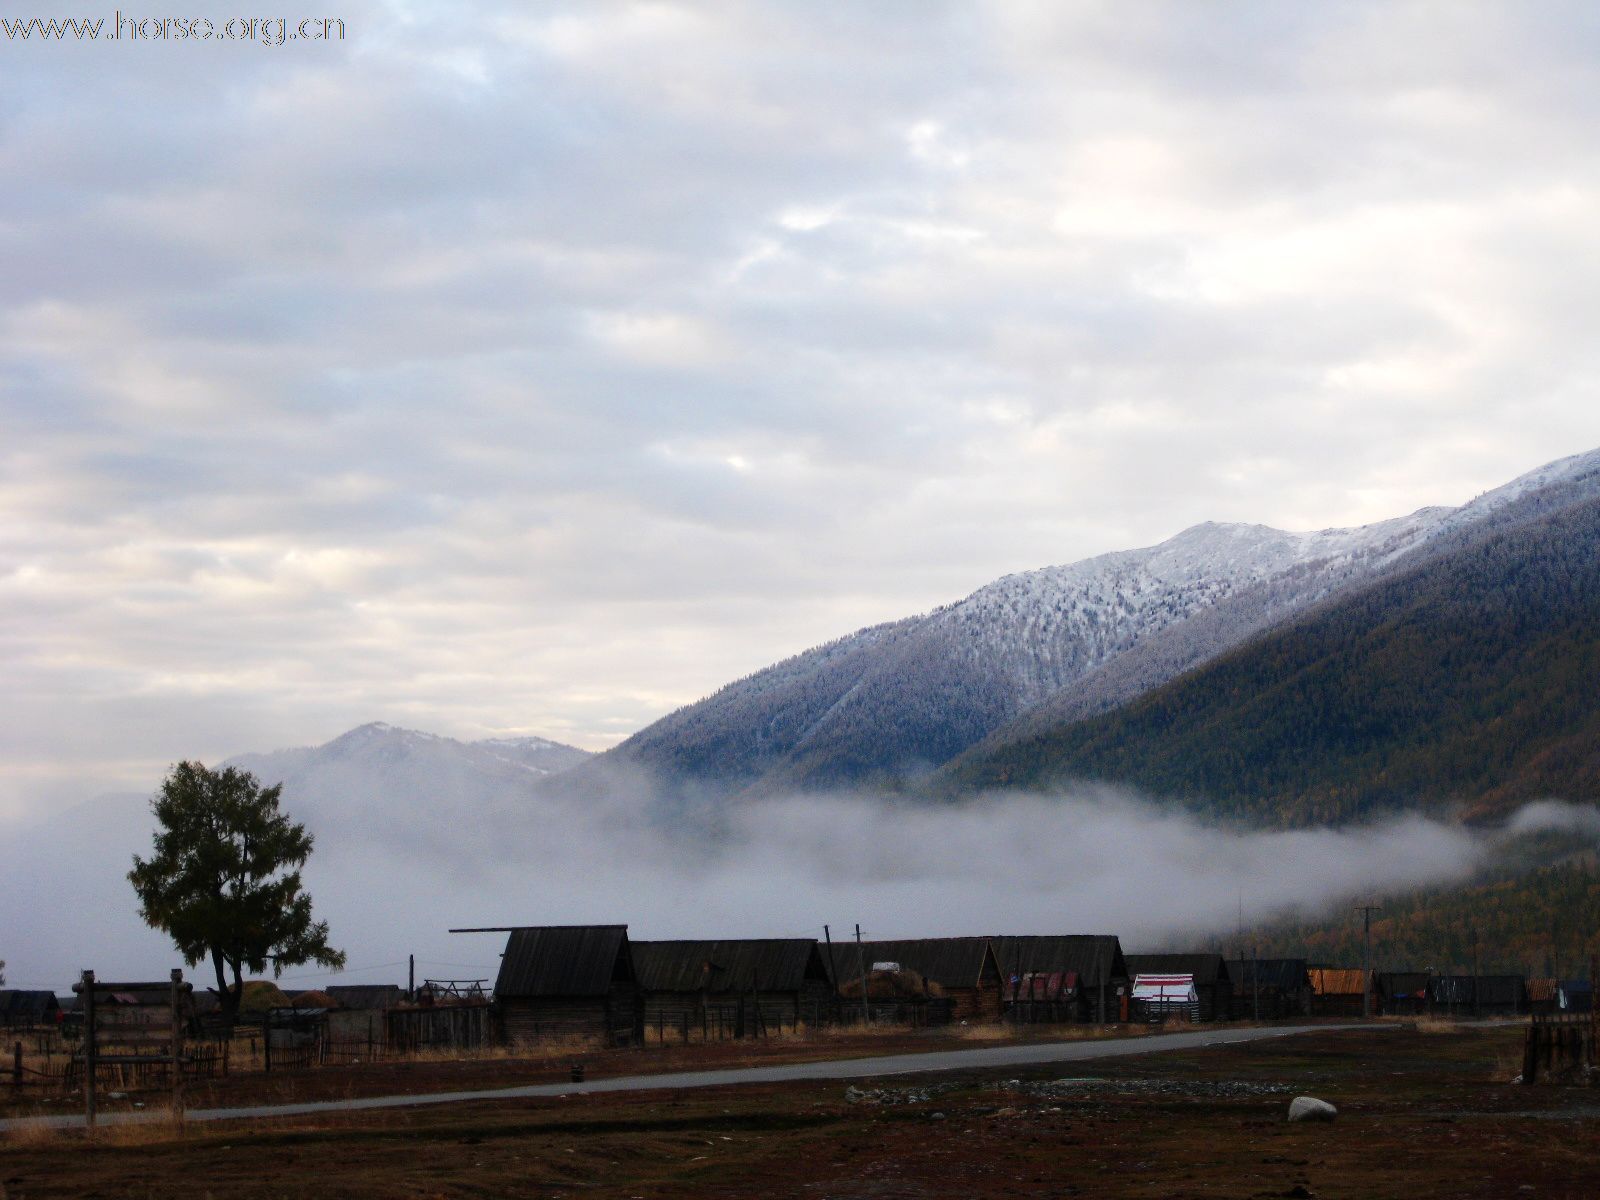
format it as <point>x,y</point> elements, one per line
<point>893,703</point>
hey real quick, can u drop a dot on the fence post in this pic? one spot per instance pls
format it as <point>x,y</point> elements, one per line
<point>16,1065</point>
<point>177,1046</point>
<point>87,983</point>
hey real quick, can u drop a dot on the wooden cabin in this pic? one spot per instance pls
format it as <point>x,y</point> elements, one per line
<point>736,985</point>
<point>965,967</point>
<point>1400,993</point>
<point>1209,983</point>
<point>1337,991</point>
<point>1269,989</point>
<point>1085,974</point>
<point>1478,995</point>
<point>569,981</point>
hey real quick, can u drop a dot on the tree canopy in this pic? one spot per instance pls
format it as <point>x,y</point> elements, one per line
<point>224,878</point>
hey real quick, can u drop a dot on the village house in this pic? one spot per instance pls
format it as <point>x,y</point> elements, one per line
<point>1195,985</point>
<point>1084,974</point>
<point>1337,991</point>
<point>734,985</point>
<point>568,981</point>
<point>964,967</point>
<point>1269,988</point>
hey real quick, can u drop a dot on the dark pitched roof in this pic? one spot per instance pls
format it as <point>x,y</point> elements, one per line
<point>1206,968</point>
<point>729,965</point>
<point>1284,974</point>
<point>952,962</point>
<point>564,960</point>
<point>1096,958</point>
<point>18,1005</point>
<point>367,995</point>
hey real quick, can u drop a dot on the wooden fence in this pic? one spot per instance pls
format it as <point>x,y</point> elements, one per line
<point>1559,1046</point>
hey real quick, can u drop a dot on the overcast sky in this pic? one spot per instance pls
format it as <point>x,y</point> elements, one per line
<point>538,368</point>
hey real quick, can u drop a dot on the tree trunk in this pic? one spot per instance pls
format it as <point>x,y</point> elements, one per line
<point>230,997</point>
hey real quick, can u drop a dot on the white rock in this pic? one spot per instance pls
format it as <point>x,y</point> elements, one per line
<point>1309,1108</point>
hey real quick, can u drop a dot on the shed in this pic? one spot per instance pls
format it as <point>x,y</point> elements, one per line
<point>1337,991</point>
<point>1270,988</point>
<point>28,1009</point>
<point>569,981</point>
<point>965,967</point>
<point>1095,960</point>
<point>773,981</point>
<point>1213,987</point>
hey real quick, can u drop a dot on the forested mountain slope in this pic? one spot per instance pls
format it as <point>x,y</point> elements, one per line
<point>890,704</point>
<point>1469,680</point>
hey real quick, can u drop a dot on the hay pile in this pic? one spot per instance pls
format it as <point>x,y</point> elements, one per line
<point>903,984</point>
<point>260,995</point>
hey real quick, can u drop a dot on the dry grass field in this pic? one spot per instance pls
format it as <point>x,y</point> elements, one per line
<point>1422,1114</point>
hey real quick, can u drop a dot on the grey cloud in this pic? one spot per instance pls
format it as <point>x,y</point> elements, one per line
<point>504,366</point>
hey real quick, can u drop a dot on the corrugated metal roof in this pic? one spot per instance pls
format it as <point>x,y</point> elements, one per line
<point>564,960</point>
<point>1096,958</point>
<point>1285,974</point>
<point>953,962</point>
<point>1205,968</point>
<point>1338,981</point>
<point>729,965</point>
<point>1168,988</point>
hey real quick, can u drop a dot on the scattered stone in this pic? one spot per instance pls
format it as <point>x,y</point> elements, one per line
<point>1298,1192</point>
<point>1309,1108</point>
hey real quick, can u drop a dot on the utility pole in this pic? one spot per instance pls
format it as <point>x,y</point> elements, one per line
<point>861,959</point>
<point>411,977</point>
<point>1476,1010</point>
<point>1255,982</point>
<point>1366,911</point>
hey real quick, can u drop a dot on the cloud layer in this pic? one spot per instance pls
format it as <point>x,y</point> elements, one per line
<point>538,369</point>
<point>392,878</point>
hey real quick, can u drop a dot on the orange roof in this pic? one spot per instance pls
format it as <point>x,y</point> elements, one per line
<point>1338,981</point>
<point>1541,989</point>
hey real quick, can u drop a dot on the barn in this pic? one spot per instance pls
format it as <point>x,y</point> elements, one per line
<point>1208,978</point>
<point>569,981</point>
<point>1269,988</point>
<point>965,967</point>
<point>1098,986</point>
<point>735,985</point>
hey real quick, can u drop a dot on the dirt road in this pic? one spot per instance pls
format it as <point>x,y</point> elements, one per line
<point>856,1068</point>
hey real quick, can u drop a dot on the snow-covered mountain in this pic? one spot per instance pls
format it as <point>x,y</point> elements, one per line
<point>892,702</point>
<point>382,781</point>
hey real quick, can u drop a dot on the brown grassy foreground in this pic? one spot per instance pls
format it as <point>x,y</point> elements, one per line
<point>1422,1115</point>
<point>549,1062</point>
